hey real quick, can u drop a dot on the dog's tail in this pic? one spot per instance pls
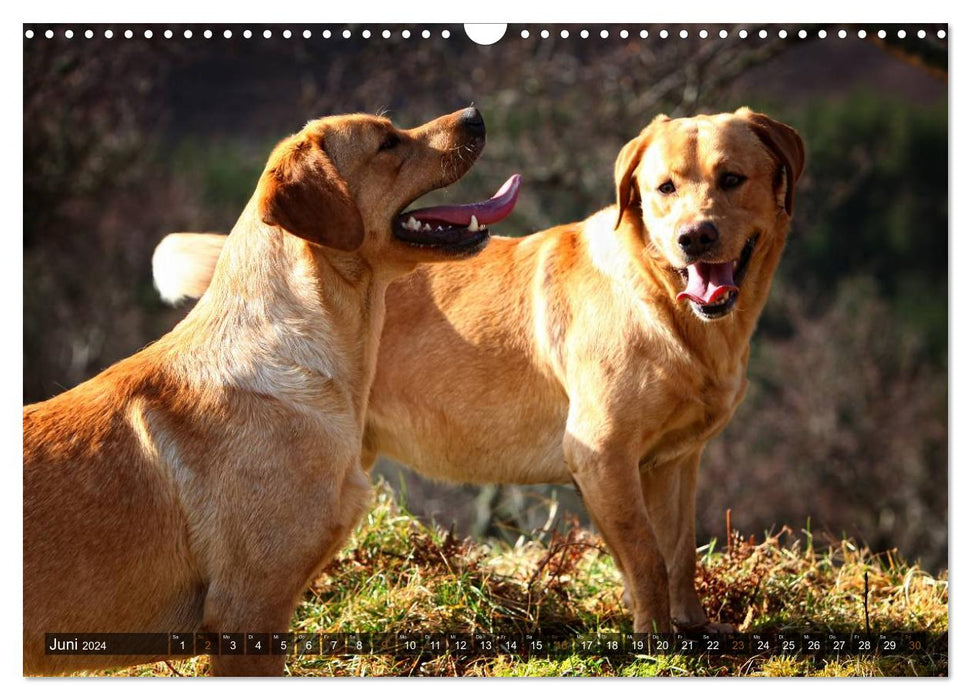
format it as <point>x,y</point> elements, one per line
<point>182,264</point>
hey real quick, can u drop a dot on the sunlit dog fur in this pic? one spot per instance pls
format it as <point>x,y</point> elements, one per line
<point>199,484</point>
<point>567,356</point>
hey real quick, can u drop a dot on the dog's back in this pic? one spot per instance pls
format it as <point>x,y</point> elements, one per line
<point>485,402</point>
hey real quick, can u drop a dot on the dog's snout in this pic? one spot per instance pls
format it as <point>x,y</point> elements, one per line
<point>472,121</point>
<point>697,238</point>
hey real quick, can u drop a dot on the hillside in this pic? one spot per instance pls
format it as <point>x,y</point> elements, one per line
<point>396,574</point>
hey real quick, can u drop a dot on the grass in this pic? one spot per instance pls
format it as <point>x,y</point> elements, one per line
<point>398,574</point>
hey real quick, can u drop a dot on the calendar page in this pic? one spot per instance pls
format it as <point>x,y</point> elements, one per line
<point>485,350</point>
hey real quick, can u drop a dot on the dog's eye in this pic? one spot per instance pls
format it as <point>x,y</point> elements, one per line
<point>667,188</point>
<point>730,181</point>
<point>390,141</point>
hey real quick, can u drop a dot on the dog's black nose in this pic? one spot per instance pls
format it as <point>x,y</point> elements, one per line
<point>697,238</point>
<point>472,121</point>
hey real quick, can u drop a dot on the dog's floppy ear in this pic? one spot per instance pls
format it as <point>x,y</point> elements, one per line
<point>784,143</point>
<point>627,162</point>
<point>302,192</point>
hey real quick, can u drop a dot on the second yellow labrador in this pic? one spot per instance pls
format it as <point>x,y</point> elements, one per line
<point>607,352</point>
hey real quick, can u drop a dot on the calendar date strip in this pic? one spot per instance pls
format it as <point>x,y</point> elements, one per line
<point>403,644</point>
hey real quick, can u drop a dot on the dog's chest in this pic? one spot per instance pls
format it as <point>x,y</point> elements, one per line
<point>702,410</point>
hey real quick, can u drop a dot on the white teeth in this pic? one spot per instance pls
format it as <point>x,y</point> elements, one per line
<point>474,224</point>
<point>413,224</point>
<point>428,227</point>
<point>438,228</point>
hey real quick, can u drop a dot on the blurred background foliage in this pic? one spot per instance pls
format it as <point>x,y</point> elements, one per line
<point>845,423</point>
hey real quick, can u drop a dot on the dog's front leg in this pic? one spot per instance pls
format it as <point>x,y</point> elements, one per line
<point>232,608</point>
<point>267,561</point>
<point>608,480</point>
<point>669,493</point>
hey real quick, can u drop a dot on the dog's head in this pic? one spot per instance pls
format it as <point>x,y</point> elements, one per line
<point>342,182</point>
<point>713,195</point>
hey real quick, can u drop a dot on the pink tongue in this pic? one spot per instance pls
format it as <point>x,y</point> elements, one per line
<point>708,281</point>
<point>488,212</point>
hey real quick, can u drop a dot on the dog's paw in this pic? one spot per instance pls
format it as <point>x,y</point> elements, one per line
<point>705,627</point>
<point>719,628</point>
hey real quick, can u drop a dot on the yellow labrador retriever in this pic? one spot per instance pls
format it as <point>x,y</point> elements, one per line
<point>606,352</point>
<point>199,484</point>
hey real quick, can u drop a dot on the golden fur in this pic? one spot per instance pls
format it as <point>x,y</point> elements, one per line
<point>199,484</point>
<point>566,355</point>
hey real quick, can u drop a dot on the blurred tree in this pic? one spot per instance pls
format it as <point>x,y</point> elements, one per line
<point>874,203</point>
<point>89,121</point>
<point>928,52</point>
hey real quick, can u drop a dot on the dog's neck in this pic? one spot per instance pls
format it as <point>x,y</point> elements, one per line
<point>287,318</point>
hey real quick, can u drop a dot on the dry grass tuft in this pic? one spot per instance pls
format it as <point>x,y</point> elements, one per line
<point>397,574</point>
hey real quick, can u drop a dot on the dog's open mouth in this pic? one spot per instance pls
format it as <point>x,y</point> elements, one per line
<point>457,225</point>
<point>712,288</point>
